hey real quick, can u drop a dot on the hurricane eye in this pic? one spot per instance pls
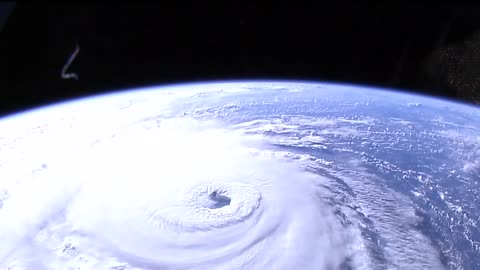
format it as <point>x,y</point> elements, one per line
<point>217,200</point>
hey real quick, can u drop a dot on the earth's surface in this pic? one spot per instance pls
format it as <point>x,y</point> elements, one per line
<point>247,175</point>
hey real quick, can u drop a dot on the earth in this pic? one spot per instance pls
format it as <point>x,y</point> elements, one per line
<point>242,175</point>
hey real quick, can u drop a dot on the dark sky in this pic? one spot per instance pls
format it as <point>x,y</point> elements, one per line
<point>130,45</point>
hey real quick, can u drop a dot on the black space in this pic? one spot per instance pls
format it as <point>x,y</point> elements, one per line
<point>134,45</point>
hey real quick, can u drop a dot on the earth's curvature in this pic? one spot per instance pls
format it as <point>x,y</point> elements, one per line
<point>242,175</point>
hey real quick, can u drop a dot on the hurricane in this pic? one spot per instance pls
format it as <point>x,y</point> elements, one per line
<point>184,191</point>
<point>202,198</point>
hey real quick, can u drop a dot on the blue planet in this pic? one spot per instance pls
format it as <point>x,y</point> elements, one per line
<point>242,175</point>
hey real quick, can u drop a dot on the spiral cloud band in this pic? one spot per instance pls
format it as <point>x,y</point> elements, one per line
<point>203,200</point>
